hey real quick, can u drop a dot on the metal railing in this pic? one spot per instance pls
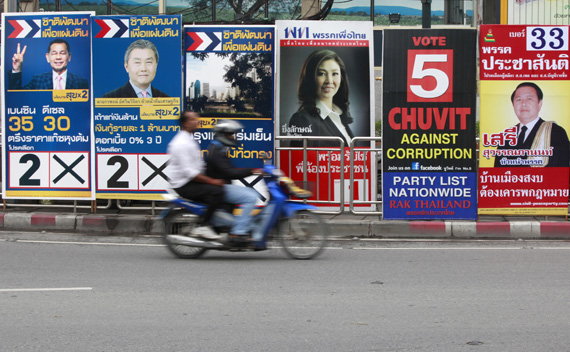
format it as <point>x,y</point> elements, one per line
<point>372,155</point>
<point>305,148</point>
<point>75,205</point>
<point>375,156</point>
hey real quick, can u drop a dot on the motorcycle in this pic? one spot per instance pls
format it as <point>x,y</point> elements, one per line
<point>300,231</point>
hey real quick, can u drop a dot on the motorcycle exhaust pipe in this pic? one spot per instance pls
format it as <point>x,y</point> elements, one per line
<point>192,242</point>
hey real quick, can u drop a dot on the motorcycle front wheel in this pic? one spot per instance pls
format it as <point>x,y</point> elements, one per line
<point>304,235</point>
<point>180,223</point>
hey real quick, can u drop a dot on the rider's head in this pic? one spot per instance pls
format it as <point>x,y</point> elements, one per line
<point>189,121</point>
<point>225,131</point>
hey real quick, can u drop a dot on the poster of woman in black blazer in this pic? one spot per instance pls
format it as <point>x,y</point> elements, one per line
<point>323,108</point>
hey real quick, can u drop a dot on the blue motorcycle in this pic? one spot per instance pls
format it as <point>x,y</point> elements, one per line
<point>300,231</point>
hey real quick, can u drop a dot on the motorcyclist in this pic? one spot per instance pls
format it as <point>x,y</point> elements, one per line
<point>219,166</point>
<point>187,175</point>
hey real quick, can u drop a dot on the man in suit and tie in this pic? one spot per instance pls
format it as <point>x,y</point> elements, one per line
<point>535,136</point>
<point>141,61</point>
<point>58,56</point>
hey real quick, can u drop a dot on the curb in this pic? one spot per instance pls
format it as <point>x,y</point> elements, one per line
<point>458,229</point>
<point>149,225</point>
<point>132,225</point>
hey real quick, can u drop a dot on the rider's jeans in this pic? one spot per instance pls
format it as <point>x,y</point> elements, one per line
<point>263,223</point>
<point>247,198</point>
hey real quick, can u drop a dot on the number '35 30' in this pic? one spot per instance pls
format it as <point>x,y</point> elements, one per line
<point>26,123</point>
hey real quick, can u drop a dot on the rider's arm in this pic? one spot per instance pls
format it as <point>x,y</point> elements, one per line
<point>221,166</point>
<point>186,163</point>
<point>201,178</point>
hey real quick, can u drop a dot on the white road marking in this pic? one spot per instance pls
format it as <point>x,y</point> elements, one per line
<point>459,248</point>
<point>94,243</point>
<point>45,289</point>
<point>359,245</point>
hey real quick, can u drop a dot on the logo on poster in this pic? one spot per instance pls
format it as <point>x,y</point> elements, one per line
<point>296,32</point>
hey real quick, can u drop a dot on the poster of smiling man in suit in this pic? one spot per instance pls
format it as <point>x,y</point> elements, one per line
<point>58,56</point>
<point>46,117</point>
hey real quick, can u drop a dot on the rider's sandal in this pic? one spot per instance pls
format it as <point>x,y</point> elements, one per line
<point>259,247</point>
<point>239,238</point>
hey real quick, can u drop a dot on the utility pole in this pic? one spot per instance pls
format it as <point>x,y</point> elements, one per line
<point>10,5</point>
<point>426,13</point>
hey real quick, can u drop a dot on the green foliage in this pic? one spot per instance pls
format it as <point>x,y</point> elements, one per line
<point>238,104</point>
<point>378,128</point>
<point>382,20</point>
<point>256,90</point>
<point>198,104</point>
<point>199,11</point>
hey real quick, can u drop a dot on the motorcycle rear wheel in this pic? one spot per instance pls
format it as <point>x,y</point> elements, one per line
<point>180,222</point>
<point>304,235</point>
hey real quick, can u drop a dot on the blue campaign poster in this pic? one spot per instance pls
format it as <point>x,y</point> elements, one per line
<point>435,195</point>
<point>229,75</point>
<point>137,87</point>
<point>46,116</point>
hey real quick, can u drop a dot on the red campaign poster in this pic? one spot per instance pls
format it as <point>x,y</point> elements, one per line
<point>324,175</point>
<point>524,152</point>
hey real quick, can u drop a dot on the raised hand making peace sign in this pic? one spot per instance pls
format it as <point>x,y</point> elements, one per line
<point>18,59</point>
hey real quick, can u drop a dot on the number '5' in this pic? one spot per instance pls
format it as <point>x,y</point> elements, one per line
<point>25,123</point>
<point>419,72</point>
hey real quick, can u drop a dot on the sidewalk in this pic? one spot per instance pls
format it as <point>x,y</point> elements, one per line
<point>136,222</point>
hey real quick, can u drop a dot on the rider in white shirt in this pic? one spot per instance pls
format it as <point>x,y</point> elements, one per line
<point>187,173</point>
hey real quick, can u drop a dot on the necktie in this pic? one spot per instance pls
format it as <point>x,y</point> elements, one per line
<point>58,82</point>
<point>144,93</point>
<point>520,140</point>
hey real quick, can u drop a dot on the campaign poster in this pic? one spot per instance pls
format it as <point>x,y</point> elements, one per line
<point>46,98</point>
<point>525,115</point>
<point>229,76</point>
<point>137,87</point>
<point>428,124</point>
<point>325,90</point>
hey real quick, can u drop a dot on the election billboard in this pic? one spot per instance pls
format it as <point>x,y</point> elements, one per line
<point>137,89</point>
<point>229,76</point>
<point>428,124</point>
<point>325,90</point>
<point>525,102</point>
<point>47,106</point>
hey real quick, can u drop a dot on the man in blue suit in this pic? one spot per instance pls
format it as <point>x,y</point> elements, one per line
<point>58,56</point>
<point>141,62</point>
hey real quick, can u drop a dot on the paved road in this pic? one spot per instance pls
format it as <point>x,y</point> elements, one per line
<point>130,294</point>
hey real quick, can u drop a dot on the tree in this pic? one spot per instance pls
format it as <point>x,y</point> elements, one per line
<point>245,10</point>
<point>198,104</point>
<point>252,74</point>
